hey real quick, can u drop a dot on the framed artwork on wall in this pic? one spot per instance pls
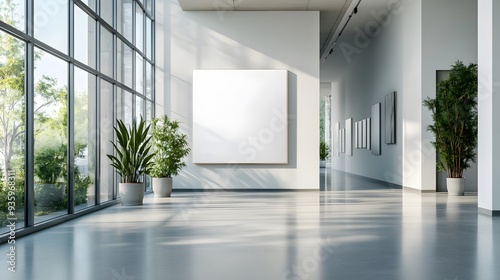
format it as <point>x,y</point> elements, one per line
<point>390,118</point>
<point>355,140</point>
<point>364,134</point>
<point>368,133</point>
<point>342,140</point>
<point>375,130</point>
<point>348,137</point>
<point>336,139</point>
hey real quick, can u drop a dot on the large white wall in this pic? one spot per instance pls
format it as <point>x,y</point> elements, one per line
<point>458,21</point>
<point>417,38</point>
<point>246,40</point>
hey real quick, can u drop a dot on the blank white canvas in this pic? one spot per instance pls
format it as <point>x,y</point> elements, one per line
<point>240,116</point>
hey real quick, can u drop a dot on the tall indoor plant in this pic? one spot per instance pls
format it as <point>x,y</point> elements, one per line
<point>132,159</point>
<point>454,112</point>
<point>169,147</point>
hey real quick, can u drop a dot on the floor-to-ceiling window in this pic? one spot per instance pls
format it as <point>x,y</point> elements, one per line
<point>12,129</point>
<point>68,70</point>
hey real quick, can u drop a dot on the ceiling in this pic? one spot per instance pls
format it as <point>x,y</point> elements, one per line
<point>332,12</point>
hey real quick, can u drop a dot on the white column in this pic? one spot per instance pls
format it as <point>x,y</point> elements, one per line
<point>411,96</point>
<point>489,106</point>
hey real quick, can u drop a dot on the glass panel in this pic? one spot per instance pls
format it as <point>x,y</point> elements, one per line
<point>106,52</point>
<point>139,107</point>
<point>124,20</point>
<point>149,39</point>
<point>106,121</point>
<point>139,28</point>
<point>119,60</point>
<point>124,109</point>
<point>90,3</point>
<point>51,23</point>
<point>85,42</point>
<point>107,11</point>
<point>139,73</point>
<point>149,5</point>
<point>124,64</point>
<point>12,128</point>
<point>149,111</point>
<point>12,12</point>
<point>149,80</point>
<point>51,134</point>
<point>85,124</point>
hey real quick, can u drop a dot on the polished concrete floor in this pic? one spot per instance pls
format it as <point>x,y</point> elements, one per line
<point>355,229</point>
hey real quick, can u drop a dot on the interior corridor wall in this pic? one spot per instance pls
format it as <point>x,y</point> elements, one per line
<point>248,40</point>
<point>363,70</point>
<point>415,40</point>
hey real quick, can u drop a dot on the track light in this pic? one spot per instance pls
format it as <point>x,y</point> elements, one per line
<point>354,11</point>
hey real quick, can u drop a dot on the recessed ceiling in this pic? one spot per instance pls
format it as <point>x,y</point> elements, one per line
<point>331,11</point>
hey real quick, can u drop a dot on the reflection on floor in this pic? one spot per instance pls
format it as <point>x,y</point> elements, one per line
<point>334,180</point>
<point>349,232</point>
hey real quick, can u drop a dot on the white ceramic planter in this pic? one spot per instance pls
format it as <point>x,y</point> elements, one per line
<point>162,187</point>
<point>131,193</point>
<point>322,163</point>
<point>455,186</point>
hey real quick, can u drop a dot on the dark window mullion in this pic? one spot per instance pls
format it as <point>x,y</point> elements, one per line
<point>29,93</point>
<point>71,115</point>
<point>29,198</point>
<point>134,51</point>
<point>93,14</point>
<point>98,142</point>
<point>98,107</point>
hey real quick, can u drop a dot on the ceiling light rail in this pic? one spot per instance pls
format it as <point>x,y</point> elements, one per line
<point>354,11</point>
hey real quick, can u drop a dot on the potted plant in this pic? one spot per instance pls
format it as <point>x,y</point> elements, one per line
<point>324,152</point>
<point>454,112</point>
<point>132,159</point>
<point>169,147</point>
